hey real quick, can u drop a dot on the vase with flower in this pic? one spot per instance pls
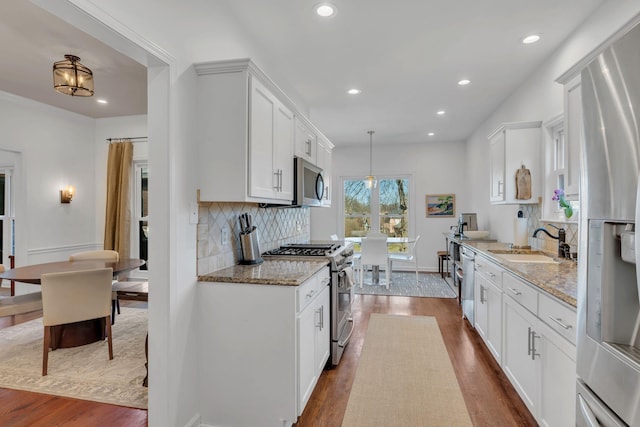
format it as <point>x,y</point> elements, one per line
<point>558,196</point>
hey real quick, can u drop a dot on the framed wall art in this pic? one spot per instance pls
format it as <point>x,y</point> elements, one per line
<point>441,205</point>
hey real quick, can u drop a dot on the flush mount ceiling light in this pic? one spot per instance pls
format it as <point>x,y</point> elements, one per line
<point>325,10</point>
<point>70,77</point>
<point>531,39</point>
<point>431,134</point>
<point>102,101</point>
<point>354,91</point>
<point>464,82</point>
<point>370,180</point>
<point>440,113</point>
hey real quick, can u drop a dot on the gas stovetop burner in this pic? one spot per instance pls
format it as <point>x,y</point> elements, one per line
<point>305,249</point>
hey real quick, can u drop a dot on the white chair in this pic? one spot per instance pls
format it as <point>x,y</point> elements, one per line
<point>375,253</point>
<point>102,255</point>
<point>66,298</point>
<point>411,256</point>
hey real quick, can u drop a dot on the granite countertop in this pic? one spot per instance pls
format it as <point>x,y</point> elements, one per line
<point>560,280</point>
<point>270,272</point>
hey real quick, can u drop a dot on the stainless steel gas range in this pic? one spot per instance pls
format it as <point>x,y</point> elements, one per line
<point>340,257</point>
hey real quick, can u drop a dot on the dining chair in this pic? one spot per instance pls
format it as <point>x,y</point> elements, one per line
<point>102,255</point>
<point>374,253</point>
<point>410,256</point>
<point>66,298</point>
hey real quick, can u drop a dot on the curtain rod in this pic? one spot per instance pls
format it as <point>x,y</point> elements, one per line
<point>125,139</point>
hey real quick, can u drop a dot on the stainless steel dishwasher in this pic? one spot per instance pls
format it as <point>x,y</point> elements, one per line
<point>468,272</point>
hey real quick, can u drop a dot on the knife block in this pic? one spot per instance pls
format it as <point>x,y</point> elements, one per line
<point>250,247</point>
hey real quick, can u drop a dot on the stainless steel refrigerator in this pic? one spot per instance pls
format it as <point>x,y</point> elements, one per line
<point>608,340</point>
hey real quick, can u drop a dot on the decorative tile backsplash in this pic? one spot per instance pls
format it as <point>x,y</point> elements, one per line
<point>275,227</point>
<point>542,241</point>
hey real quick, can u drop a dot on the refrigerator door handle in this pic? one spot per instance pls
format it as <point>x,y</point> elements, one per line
<point>587,414</point>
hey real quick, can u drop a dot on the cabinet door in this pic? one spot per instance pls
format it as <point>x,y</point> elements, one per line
<point>517,361</point>
<point>283,153</point>
<point>481,306</point>
<point>497,158</point>
<point>323,332</point>
<point>306,354</point>
<point>305,141</point>
<point>262,107</point>
<point>493,302</point>
<point>573,126</point>
<point>558,379</point>
<point>325,162</point>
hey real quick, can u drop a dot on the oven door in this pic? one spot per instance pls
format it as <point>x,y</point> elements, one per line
<point>342,294</point>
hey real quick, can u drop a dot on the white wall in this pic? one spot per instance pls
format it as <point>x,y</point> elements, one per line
<point>538,98</point>
<point>436,167</point>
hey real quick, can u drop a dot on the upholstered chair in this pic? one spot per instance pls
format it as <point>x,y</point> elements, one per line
<point>102,255</point>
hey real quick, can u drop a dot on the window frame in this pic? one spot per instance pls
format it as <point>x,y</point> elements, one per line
<point>136,201</point>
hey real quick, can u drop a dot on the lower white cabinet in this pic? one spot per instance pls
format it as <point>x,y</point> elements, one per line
<point>261,350</point>
<point>540,363</point>
<point>488,305</point>
<point>313,345</point>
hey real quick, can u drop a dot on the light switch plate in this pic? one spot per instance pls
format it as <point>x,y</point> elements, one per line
<point>225,235</point>
<point>193,213</point>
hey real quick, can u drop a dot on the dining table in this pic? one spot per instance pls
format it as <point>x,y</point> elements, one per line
<point>79,333</point>
<point>375,269</point>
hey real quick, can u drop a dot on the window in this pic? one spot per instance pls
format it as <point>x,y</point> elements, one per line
<point>384,208</point>
<point>140,232</point>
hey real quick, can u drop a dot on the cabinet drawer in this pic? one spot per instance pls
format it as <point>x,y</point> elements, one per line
<point>520,291</point>
<point>489,270</point>
<point>308,291</point>
<point>560,318</point>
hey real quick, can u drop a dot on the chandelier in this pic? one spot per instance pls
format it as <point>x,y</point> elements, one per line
<point>70,77</point>
<point>371,180</point>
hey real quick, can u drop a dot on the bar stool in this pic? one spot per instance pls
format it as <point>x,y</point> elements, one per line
<point>443,256</point>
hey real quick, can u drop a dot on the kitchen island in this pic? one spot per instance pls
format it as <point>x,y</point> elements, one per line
<point>266,340</point>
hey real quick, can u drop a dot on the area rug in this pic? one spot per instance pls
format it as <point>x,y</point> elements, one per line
<point>403,283</point>
<point>83,372</point>
<point>404,377</point>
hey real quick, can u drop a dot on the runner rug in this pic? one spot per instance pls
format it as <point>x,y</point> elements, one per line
<point>83,372</point>
<point>404,377</point>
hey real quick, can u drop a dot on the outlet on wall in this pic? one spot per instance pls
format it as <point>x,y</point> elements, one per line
<point>225,235</point>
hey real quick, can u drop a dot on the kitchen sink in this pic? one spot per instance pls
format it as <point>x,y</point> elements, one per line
<point>524,256</point>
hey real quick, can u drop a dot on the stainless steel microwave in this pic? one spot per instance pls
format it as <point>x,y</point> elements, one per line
<point>308,183</point>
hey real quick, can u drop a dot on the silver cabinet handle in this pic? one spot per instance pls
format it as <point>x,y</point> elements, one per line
<point>310,294</point>
<point>515,291</point>
<point>482,298</point>
<point>500,190</point>
<point>319,318</point>
<point>492,275</point>
<point>322,317</point>
<point>529,342</point>
<point>559,322</point>
<point>533,345</point>
<point>308,142</point>
<point>277,185</point>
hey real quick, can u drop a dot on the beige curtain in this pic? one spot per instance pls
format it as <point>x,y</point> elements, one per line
<point>117,224</point>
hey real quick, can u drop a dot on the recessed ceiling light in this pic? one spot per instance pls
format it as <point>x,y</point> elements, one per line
<point>325,10</point>
<point>354,91</point>
<point>464,82</point>
<point>531,39</point>
<point>440,113</point>
<point>101,101</point>
<point>431,134</point>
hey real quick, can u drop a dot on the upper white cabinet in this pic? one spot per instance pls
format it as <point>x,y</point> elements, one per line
<point>247,134</point>
<point>325,162</point>
<point>512,146</point>
<point>574,137</point>
<point>306,145</point>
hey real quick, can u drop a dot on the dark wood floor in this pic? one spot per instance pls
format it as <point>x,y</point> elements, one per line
<point>490,398</point>
<point>488,394</point>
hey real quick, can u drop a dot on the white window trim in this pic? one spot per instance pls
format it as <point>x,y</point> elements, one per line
<point>137,215</point>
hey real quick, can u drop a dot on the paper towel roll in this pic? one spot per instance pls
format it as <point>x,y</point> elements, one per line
<point>520,237</point>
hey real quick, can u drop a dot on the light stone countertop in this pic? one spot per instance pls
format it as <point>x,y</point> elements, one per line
<point>270,272</point>
<point>560,280</point>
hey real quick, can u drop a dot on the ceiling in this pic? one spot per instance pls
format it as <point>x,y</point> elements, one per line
<point>406,56</point>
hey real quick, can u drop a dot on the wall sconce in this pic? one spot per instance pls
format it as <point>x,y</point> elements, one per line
<point>66,194</point>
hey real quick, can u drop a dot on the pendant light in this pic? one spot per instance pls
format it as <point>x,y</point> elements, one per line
<point>370,180</point>
<point>70,77</point>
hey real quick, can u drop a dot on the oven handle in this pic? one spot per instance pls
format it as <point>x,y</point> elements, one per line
<point>344,342</point>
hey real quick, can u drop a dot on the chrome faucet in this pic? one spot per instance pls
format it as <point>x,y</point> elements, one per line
<point>564,249</point>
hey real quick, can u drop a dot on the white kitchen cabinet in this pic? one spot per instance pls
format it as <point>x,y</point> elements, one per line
<point>263,348</point>
<point>306,140</point>
<point>539,362</point>
<point>246,131</point>
<point>314,345</point>
<point>511,146</point>
<point>325,162</point>
<point>488,305</point>
<point>574,136</point>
